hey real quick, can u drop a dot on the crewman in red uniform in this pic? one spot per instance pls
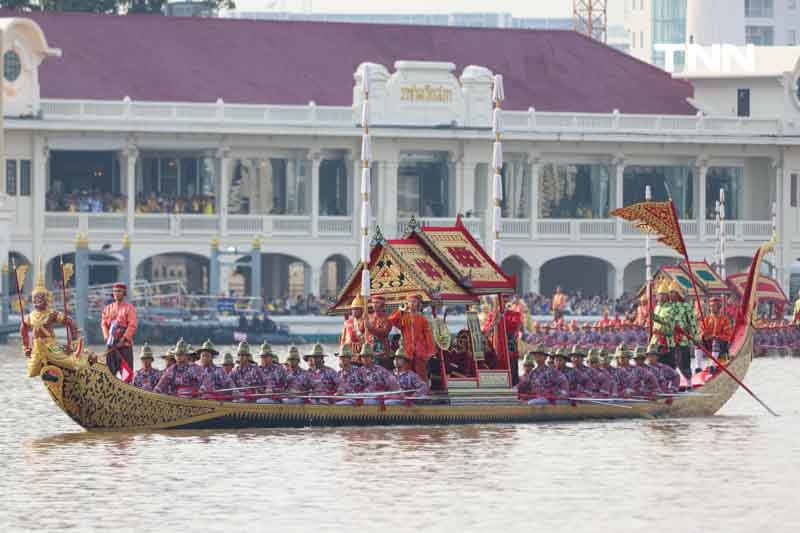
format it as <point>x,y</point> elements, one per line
<point>354,331</point>
<point>378,329</point>
<point>716,326</point>
<point>119,325</point>
<point>417,335</point>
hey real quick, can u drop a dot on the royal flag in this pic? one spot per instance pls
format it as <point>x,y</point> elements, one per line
<point>125,372</point>
<point>657,218</point>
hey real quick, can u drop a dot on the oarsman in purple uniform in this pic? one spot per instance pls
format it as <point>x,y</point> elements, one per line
<point>169,359</point>
<point>351,378</point>
<point>602,383</point>
<point>296,382</point>
<point>579,376</point>
<point>646,383</point>
<point>184,378</point>
<point>624,378</point>
<point>525,385</point>
<point>668,378</point>
<point>550,384</point>
<point>146,377</point>
<point>227,363</point>
<point>321,380</point>
<point>247,374</point>
<point>406,377</point>
<point>273,372</point>
<point>538,375</point>
<point>214,378</point>
<point>377,378</point>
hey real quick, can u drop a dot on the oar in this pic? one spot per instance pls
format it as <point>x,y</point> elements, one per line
<point>600,402</point>
<point>723,367</point>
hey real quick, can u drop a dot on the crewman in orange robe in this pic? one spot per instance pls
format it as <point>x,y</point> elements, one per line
<point>559,303</point>
<point>417,335</point>
<point>716,326</point>
<point>119,323</point>
<point>643,311</point>
<point>354,331</point>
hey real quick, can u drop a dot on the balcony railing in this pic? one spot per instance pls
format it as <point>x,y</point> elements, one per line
<point>336,226</point>
<point>84,222</point>
<point>473,225</point>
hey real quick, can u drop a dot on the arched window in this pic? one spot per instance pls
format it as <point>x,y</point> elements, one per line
<point>12,66</point>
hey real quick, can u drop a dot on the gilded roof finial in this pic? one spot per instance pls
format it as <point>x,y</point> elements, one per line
<point>377,237</point>
<point>215,242</point>
<point>126,240</point>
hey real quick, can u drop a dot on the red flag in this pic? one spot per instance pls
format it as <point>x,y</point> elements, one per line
<point>125,372</point>
<point>658,218</point>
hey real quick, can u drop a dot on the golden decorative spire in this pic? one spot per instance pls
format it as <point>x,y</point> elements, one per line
<point>40,287</point>
<point>82,240</point>
<point>257,242</point>
<point>126,240</point>
<point>215,242</point>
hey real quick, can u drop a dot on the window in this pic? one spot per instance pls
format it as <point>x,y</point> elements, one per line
<point>481,189</point>
<point>176,184</point>
<point>274,186</point>
<point>573,191</point>
<point>516,182</point>
<point>760,35</point>
<point>12,66</point>
<point>641,39</point>
<point>759,8</point>
<point>668,20</point>
<point>333,187</point>
<point>743,102</point>
<point>793,199</point>
<point>677,181</point>
<point>25,177</point>
<point>791,39</point>
<point>424,185</point>
<point>11,177</point>
<point>729,179</point>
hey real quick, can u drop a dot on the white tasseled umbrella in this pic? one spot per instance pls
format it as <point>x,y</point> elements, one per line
<point>497,164</point>
<point>366,161</point>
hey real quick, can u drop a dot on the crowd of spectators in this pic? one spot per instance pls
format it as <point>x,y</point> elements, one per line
<point>86,201</point>
<point>300,305</point>
<point>165,203</point>
<point>576,304</point>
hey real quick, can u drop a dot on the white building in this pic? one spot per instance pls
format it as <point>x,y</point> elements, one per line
<point>707,22</point>
<point>217,114</point>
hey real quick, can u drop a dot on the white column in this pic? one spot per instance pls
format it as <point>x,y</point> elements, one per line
<point>354,169</point>
<point>41,154</point>
<point>468,191</point>
<point>224,157</point>
<point>619,281</point>
<point>536,269</point>
<point>619,192</point>
<point>315,166</point>
<point>536,166</point>
<point>316,274</point>
<point>460,185</point>
<point>131,155</point>
<point>702,170</point>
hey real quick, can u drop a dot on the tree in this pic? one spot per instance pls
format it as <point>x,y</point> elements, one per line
<point>103,6</point>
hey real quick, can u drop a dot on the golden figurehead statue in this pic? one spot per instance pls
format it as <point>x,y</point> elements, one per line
<point>38,333</point>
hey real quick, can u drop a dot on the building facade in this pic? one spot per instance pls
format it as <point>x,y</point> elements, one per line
<point>176,174</point>
<point>707,22</point>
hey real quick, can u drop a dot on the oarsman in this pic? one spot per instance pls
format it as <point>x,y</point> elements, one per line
<point>119,323</point>
<point>417,337</point>
<point>296,382</point>
<point>406,377</point>
<point>378,329</point>
<point>552,384</point>
<point>147,377</point>
<point>645,380</point>
<point>579,376</point>
<point>214,377</point>
<point>354,331</point>
<point>184,378</point>
<point>377,378</point>
<point>194,354</point>
<point>351,378</point>
<point>321,380</point>
<point>169,358</point>
<point>227,363</point>
<point>274,373</point>
<point>668,378</point>
<point>247,374</point>
<point>602,382</point>
<point>525,385</point>
<point>716,327</point>
<point>624,379</point>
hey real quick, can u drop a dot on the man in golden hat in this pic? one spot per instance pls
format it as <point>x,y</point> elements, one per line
<point>40,323</point>
<point>354,331</point>
<point>119,323</point>
<point>147,377</point>
<point>417,335</point>
<point>378,328</point>
<point>663,324</point>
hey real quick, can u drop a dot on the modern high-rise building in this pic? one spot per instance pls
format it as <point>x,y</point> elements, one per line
<point>707,22</point>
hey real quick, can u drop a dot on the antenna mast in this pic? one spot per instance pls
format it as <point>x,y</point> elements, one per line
<point>590,17</point>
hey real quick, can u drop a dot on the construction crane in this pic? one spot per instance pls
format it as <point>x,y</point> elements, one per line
<point>590,17</point>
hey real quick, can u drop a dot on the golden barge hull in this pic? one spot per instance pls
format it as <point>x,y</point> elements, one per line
<point>99,402</point>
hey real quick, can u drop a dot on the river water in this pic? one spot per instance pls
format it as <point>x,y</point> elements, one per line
<point>734,472</point>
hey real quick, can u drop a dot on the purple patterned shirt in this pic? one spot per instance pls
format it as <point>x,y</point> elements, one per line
<point>409,380</point>
<point>248,376</point>
<point>296,380</point>
<point>603,384</point>
<point>215,379</point>
<point>322,381</point>
<point>274,377</point>
<point>351,380</point>
<point>378,379</point>
<point>580,381</point>
<point>525,384</point>
<point>549,382</point>
<point>668,378</point>
<point>146,379</point>
<point>180,378</point>
<point>645,381</point>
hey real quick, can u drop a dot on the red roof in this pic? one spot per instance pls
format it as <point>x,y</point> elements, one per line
<point>179,59</point>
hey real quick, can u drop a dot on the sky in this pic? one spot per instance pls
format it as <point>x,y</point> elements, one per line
<point>518,8</point>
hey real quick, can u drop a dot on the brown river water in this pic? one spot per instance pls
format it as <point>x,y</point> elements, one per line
<point>738,471</point>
